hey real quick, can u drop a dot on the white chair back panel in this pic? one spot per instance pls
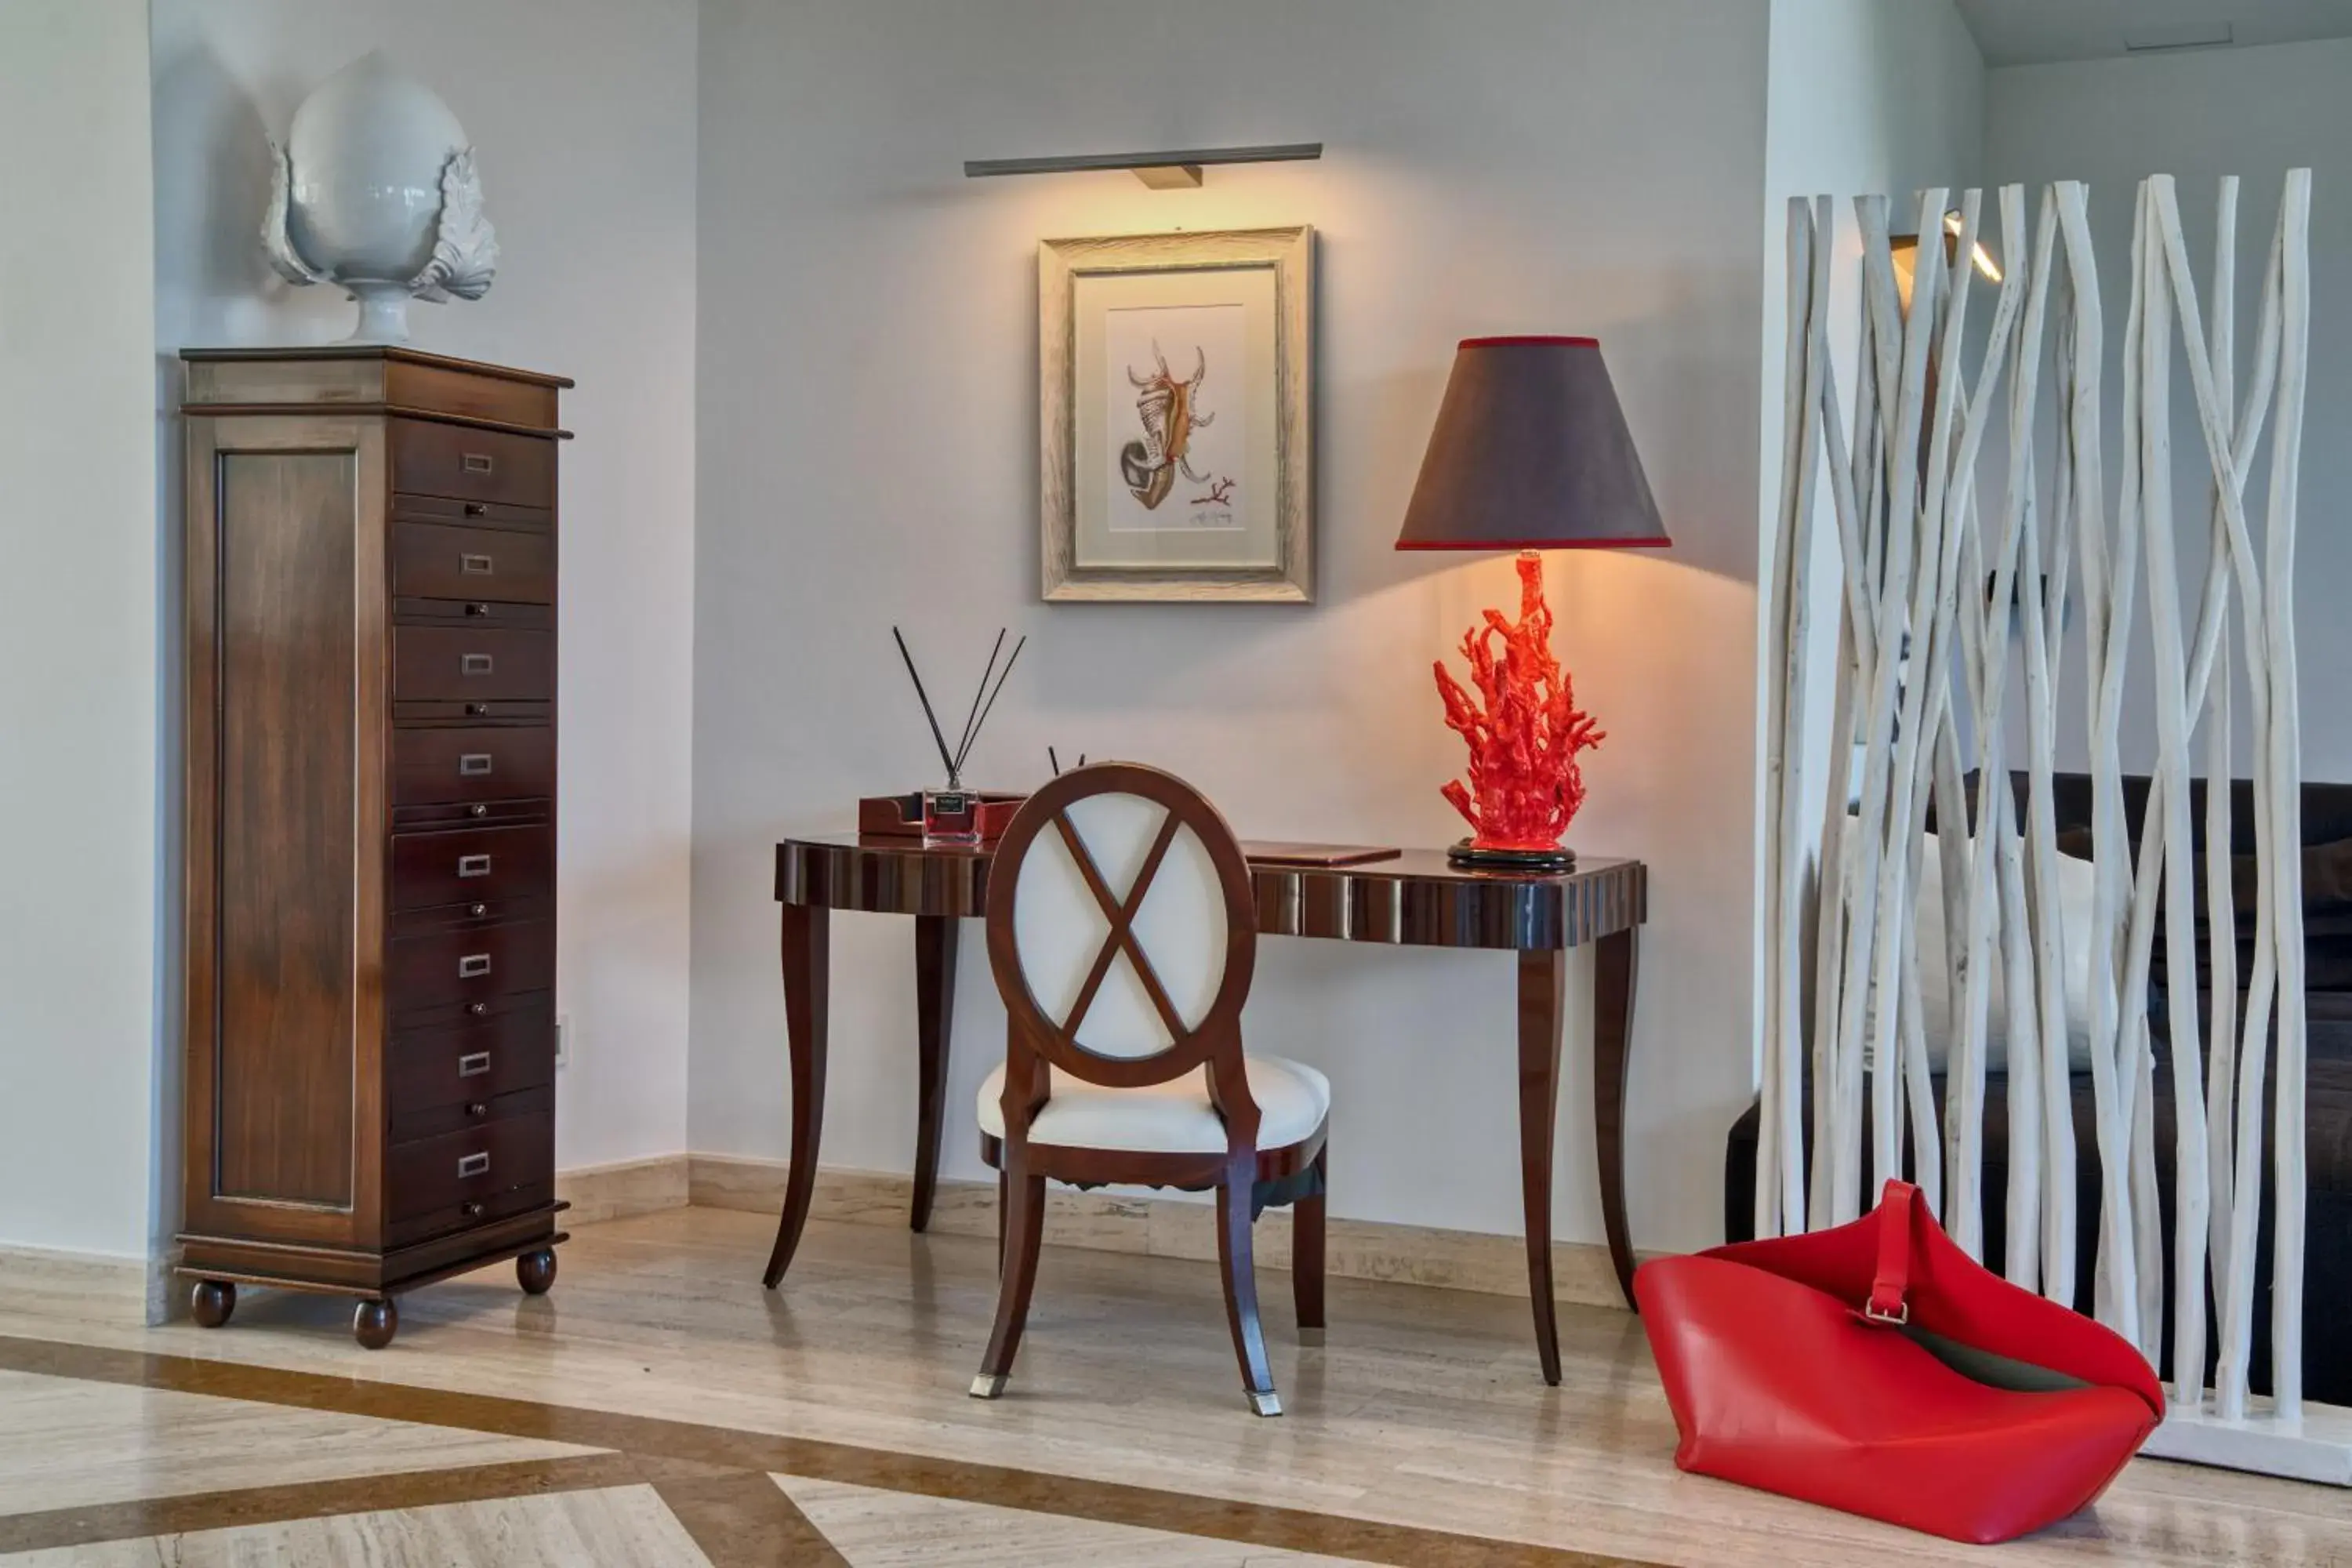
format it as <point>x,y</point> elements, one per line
<point>1182,927</point>
<point>1059,927</point>
<point>1117,830</point>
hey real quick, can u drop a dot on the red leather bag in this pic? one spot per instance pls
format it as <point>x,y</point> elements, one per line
<point>1878,1369</point>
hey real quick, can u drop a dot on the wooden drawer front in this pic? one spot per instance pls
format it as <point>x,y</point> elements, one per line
<point>476,1060</point>
<point>438,1121</point>
<point>470,1166</point>
<point>469,965</point>
<point>442,767</point>
<point>468,464</point>
<point>469,513</point>
<point>450,390</point>
<point>491,566</point>
<point>472,866</point>
<point>472,664</point>
<point>471,1213</point>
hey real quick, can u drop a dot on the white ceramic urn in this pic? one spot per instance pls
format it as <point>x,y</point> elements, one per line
<point>375,191</point>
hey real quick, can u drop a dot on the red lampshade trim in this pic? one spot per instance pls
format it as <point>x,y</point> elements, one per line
<point>1642,541</point>
<point>1525,339</point>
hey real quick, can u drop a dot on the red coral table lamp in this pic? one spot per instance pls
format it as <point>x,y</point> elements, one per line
<point>1530,452</point>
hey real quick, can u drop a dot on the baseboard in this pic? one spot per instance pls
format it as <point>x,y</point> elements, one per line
<point>89,1286</point>
<point>1169,1227</point>
<point>623,1188</point>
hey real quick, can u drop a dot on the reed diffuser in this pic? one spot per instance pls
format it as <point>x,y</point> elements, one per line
<point>953,815</point>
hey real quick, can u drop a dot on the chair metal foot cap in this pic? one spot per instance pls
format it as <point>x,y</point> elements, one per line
<point>1310,1335</point>
<point>988,1385</point>
<point>1267,1403</point>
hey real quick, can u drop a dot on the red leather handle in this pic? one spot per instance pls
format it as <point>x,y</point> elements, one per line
<point>1892,1283</point>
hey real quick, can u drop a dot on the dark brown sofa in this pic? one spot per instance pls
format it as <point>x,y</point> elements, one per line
<point>2327,944</point>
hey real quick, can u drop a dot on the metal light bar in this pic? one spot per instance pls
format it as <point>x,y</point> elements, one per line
<point>1161,171</point>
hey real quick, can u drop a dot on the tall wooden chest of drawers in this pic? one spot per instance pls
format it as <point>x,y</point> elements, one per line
<point>370,832</point>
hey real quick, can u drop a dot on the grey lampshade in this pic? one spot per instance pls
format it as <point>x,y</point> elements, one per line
<point>1530,452</point>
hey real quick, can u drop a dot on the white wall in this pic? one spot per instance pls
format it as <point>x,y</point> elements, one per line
<point>583,112</point>
<point>867,374</point>
<point>1867,97</point>
<point>2254,112</point>
<point>78,879</point>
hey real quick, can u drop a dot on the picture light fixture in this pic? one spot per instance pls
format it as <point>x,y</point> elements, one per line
<point>1178,169</point>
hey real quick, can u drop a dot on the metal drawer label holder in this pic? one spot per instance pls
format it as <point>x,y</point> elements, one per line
<point>473,1064</point>
<point>474,1165</point>
<point>473,966</point>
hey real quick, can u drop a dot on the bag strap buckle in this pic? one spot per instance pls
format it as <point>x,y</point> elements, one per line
<point>1889,1303</point>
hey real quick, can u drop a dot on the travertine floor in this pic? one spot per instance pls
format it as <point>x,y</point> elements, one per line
<point>620,1527</point>
<point>1421,1424</point>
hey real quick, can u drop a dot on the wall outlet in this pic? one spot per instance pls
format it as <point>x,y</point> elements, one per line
<point>562,1039</point>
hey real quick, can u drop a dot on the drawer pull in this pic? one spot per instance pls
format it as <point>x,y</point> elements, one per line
<point>477,710</point>
<point>474,1165</point>
<point>478,1107</point>
<point>474,664</point>
<point>477,910</point>
<point>470,1210</point>
<point>473,966</point>
<point>477,462</point>
<point>477,1008</point>
<point>478,609</point>
<point>473,1064</point>
<point>476,765</point>
<point>479,810</point>
<point>474,566</point>
<point>476,509</point>
<point>473,865</point>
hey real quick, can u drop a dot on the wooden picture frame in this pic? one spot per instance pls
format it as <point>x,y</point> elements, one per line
<point>1125,512</point>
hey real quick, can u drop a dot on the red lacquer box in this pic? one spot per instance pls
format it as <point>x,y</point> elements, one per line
<point>901,815</point>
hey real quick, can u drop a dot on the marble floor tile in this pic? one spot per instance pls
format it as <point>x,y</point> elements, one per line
<point>620,1527</point>
<point>66,1444</point>
<point>876,1528</point>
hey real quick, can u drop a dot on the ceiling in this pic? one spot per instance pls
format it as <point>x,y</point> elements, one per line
<point>2024,32</point>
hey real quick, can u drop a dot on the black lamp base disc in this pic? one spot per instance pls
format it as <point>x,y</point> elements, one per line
<point>1466,853</point>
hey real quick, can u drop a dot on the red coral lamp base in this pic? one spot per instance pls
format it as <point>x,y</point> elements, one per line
<point>1524,730</point>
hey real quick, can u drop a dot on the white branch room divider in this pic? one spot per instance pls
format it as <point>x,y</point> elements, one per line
<point>1952,587</point>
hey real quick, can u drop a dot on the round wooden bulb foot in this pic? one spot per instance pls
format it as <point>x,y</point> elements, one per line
<point>374,1322</point>
<point>535,1271</point>
<point>212,1302</point>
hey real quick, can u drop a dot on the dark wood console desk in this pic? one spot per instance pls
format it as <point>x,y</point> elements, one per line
<point>1419,898</point>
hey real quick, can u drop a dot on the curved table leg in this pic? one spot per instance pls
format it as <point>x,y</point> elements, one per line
<point>935,973</point>
<point>807,966</point>
<point>1543,978</point>
<point>1614,966</point>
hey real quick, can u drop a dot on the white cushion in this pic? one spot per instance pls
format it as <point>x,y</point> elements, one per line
<point>1171,1118</point>
<point>2075,889</point>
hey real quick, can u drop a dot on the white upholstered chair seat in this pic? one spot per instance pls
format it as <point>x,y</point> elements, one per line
<point>1171,1118</point>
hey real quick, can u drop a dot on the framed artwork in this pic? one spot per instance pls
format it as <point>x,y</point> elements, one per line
<point>1174,424</point>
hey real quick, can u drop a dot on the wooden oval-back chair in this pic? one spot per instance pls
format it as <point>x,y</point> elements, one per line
<point>1123,932</point>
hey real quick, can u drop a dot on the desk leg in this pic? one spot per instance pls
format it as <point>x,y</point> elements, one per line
<point>1614,963</point>
<point>935,975</point>
<point>807,965</point>
<point>1543,985</point>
